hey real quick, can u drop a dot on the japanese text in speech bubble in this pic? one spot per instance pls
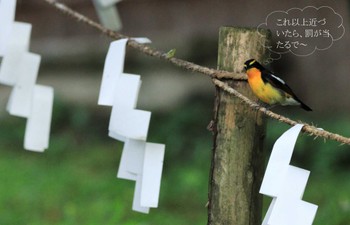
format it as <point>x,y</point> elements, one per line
<point>303,31</point>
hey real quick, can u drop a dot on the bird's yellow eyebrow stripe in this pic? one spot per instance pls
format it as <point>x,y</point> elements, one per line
<point>251,63</point>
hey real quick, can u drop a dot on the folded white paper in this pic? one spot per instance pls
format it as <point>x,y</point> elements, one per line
<point>140,161</point>
<point>113,68</point>
<point>278,164</point>
<point>142,40</point>
<point>286,184</point>
<point>17,45</point>
<point>126,123</point>
<point>117,136</point>
<point>269,211</point>
<point>38,124</point>
<point>127,91</point>
<point>20,100</point>
<point>290,211</point>
<point>107,3</point>
<point>20,37</point>
<point>288,208</point>
<point>136,205</point>
<point>131,162</point>
<point>143,162</point>
<point>294,183</point>
<point>7,15</point>
<point>109,17</point>
<point>152,174</point>
<point>19,69</point>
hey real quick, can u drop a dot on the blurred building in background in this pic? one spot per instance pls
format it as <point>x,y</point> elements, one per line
<point>73,53</point>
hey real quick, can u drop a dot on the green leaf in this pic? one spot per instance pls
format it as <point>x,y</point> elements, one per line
<point>171,53</point>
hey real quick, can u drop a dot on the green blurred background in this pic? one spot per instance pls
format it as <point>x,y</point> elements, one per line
<point>74,181</point>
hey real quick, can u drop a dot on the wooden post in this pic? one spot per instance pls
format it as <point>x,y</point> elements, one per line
<point>239,132</point>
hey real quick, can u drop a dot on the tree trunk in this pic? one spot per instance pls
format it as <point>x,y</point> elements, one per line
<point>239,132</point>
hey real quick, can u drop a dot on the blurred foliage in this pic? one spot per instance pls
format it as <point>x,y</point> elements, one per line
<point>74,182</point>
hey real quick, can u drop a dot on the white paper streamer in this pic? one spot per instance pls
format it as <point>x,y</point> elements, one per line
<point>127,90</point>
<point>113,69</point>
<point>17,45</point>
<point>108,13</point>
<point>107,3</point>
<point>142,40</point>
<point>20,37</point>
<point>131,162</point>
<point>38,124</point>
<point>126,123</point>
<point>19,69</point>
<point>286,184</point>
<point>143,163</point>
<point>114,66</point>
<point>136,204</point>
<point>7,15</point>
<point>140,161</point>
<point>22,93</point>
<point>152,173</point>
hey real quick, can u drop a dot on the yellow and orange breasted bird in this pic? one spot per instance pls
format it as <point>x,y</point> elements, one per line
<point>269,88</point>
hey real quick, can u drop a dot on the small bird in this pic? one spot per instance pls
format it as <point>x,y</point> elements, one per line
<point>269,88</point>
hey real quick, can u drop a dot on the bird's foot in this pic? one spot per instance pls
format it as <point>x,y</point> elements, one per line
<point>263,106</point>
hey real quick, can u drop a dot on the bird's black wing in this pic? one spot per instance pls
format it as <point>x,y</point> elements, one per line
<point>277,82</point>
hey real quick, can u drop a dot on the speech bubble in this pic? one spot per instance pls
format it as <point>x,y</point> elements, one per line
<point>303,31</point>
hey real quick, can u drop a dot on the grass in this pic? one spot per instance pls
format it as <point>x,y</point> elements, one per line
<point>74,181</point>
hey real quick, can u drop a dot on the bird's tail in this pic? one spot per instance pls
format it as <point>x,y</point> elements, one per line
<point>305,107</point>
